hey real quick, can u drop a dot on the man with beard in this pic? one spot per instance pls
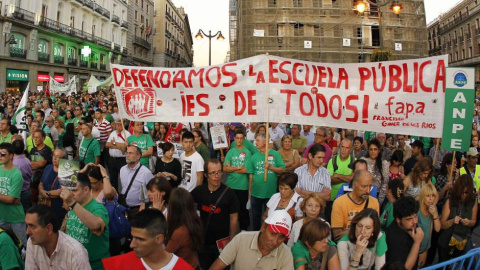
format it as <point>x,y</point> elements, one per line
<point>403,235</point>
<point>348,205</point>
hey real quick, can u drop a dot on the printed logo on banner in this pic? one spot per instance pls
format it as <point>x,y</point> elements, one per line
<point>139,103</point>
<point>460,79</point>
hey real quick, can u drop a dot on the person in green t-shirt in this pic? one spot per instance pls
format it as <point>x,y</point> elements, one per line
<point>89,150</point>
<point>260,190</point>
<point>11,183</point>
<point>235,165</point>
<point>395,190</point>
<point>78,116</point>
<point>9,254</point>
<point>87,220</point>
<point>143,141</point>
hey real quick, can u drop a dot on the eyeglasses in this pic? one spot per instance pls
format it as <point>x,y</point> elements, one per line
<point>78,109</point>
<point>3,154</point>
<point>216,173</point>
<point>319,135</point>
<point>81,123</point>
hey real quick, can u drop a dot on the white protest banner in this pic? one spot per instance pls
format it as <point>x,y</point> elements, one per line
<point>219,137</point>
<point>93,84</point>
<point>401,97</point>
<point>19,118</point>
<point>61,88</point>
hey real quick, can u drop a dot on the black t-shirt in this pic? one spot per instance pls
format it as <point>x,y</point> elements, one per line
<point>174,167</point>
<point>219,226</point>
<point>46,153</point>
<point>409,163</point>
<point>399,243</point>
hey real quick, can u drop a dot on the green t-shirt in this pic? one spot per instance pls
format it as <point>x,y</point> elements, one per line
<point>109,118</point>
<point>11,183</point>
<point>10,257</point>
<point>427,142</point>
<point>69,121</point>
<point>387,216</point>
<point>369,135</point>
<point>299,142</point>
<point>7,139</point>
<point>301,254</point>
<point>88,153</point>
<point>143,142</point>
<point>260,188</point>
<point>236,158</point>
<point>247,144</point>
<point>96,245</point>
<point>60,139</point>
<point>203,151</point>
<point>343,169</point>
<point>380,245</point>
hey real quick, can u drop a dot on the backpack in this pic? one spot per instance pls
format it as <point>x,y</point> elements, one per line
<point>16,241</point>
<point>118,225</point>
<point>335,165</point>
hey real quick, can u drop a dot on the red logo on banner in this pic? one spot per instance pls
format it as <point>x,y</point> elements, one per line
<point>139,103</point>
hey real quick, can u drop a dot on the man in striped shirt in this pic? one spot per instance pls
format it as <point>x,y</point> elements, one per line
<point>105,129</point>
<point>312,177</point>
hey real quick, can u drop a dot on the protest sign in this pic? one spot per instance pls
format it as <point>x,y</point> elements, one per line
<point>19,119</point>
<point>61,88</point>
<point>404,96</point>
<point>459,102</point>
<point>219,137</point>
<point>67,173</point>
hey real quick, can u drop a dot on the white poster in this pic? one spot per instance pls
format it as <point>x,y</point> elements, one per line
<point>219,137</point>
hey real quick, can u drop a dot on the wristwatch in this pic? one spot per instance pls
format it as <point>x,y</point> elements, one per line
<point>48,193</point>
<point>106,176</point>
<point>72,206</point>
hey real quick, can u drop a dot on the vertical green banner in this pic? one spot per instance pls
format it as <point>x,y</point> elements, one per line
<point>459,102</point>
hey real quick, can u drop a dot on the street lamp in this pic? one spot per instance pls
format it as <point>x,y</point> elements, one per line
<point>200,35</point>
<point>361,6</point>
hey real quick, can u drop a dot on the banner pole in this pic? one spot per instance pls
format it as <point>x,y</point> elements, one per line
<point>437,145</point>
<point>267,142</point>
<point>450,180</point>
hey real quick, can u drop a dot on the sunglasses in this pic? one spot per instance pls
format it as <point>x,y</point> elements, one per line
<point>3,154</point>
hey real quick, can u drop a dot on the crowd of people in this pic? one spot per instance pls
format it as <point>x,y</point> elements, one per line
<point>281,196</point>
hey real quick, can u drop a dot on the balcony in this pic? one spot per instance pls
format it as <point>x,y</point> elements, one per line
<point>125,50</point>
<point>18,52</point>
<point>43,57</point>
<point>103,67</point>
<point>124,24</point>
<point>142,42</point>
<point>115,19</point>
<point>93,65</point>
<point>55,26</point>
<point>83,64</point>
<point>435,51</point>
<point>24,15</point>
<point>58,59</point>
<point>88,3</point>
<point>101,10</point>
<point>72,61</point>
<point>116,48</point>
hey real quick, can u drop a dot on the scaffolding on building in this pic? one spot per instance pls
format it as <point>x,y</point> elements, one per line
<point>325,30</point>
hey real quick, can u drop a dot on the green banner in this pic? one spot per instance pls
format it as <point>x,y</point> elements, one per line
<point>17,75</point>
<point>459,102</point>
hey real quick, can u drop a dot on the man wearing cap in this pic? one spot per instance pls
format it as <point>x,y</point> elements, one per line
<point>471,167</point>
<point>264,249</point>
<point>417,154</point>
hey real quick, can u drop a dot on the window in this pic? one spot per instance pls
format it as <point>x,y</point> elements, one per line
<point>136,15</point>
<point>71,53</point>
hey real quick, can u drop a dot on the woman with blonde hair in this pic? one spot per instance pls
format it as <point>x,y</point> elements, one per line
<point>312,206</point>
<point>428,219</point>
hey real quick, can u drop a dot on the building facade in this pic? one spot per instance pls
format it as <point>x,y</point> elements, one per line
<point>139,38</point>
<point>326,30</point>
<point>457,33</point>
<point>172,37</point>
<point>46,38</point>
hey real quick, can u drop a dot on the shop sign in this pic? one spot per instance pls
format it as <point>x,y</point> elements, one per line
<point>59,78</point>
<point>42,77</point>
<point>17,75</point>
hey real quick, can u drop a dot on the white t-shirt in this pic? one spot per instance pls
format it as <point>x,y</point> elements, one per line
<point>169,266</point>
<point>190,166</point>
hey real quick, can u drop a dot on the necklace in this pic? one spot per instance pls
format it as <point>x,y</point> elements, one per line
<point>284,202</point>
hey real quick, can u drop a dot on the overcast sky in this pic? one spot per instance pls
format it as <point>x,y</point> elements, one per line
<point>213,15</point>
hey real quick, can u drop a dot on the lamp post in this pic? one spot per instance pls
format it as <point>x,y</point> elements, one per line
<point>200,35</point>
<point>362,5</point>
